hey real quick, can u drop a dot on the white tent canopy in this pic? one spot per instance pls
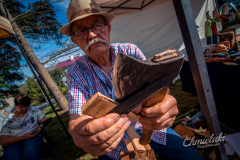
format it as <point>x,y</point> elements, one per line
<point>154,28</point>
<point>128,6</point>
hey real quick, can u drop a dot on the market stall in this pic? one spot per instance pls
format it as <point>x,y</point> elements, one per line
<point>154,29</point>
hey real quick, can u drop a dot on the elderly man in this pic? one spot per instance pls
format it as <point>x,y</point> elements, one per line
<point>90,28</point>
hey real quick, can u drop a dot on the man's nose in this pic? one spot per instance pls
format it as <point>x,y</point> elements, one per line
<point>91,34</point>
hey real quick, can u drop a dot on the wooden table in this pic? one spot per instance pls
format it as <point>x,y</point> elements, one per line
<point>225,81</point>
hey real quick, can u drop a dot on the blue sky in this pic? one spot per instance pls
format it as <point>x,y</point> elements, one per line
<point>49,46</point>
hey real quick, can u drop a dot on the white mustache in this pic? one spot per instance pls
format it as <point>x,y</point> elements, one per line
<point>95,40</point>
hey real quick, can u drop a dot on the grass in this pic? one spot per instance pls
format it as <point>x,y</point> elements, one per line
<point>185,101</point>
<point>63,145</point>
<point>66,148</point>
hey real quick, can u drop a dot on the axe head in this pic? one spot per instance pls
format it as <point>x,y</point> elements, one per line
<point>131,75</point>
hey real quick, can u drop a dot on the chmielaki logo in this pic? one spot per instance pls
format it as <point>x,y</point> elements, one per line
<point>201,129</point>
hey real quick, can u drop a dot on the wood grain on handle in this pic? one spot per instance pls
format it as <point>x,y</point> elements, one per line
<point>156,98</point>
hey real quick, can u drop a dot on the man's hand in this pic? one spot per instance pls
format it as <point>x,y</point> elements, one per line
<point>98,136</point>
<point>159,116</point>
<point>28,136</point>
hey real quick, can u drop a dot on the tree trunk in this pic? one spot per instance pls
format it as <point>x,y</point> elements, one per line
<point>51,85</point>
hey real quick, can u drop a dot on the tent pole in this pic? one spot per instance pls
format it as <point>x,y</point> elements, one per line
<point>40,84</point>
<point>199,71</point>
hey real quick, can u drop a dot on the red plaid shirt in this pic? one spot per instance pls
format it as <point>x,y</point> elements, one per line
<point>85,78</point>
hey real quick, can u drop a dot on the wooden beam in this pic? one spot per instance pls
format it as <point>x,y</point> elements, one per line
<point>135,139</point>
<point>129,144</point>
<point>132,153</point>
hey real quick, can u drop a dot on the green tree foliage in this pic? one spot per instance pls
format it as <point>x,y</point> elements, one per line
<point>9,73</point>
<point>38,23</point>
<point>34,92</point>
<point>23,88</point>
<point>64,90</point>
<point>57,75</point>
<point>36,19</point>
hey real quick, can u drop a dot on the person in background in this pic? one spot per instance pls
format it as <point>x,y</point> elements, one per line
<point>237,18</point>
<point>225,13</point>
<point>217,15</point>
<point>20,135</point>
<point>208,29</point>
<point>233,18</point>
<point>214,27</point>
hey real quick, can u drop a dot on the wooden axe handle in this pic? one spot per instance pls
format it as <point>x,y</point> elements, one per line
<point>156,98</point>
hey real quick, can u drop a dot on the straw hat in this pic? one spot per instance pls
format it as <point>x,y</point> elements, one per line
<point>79,9</point>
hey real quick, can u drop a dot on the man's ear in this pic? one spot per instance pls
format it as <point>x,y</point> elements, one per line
<point>109,27</point>
<point>74,40</point>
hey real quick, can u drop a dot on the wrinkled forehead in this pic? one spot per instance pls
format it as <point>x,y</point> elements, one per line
<point>86,22</point>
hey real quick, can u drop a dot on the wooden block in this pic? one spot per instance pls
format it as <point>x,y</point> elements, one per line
<point>141,151</point>
<point>141,154</point>
<point>227,43</point>
<point>124,155</point>
<point>135,139</point>
<point>98,106</point>
<point>220,48</point>
<point>151,154</point>
<point>130,148</point>
<point>129,145</point>
<point>183,132</point>
<point>206,134</point>
<point>133,116</point>
<point>147,146</point>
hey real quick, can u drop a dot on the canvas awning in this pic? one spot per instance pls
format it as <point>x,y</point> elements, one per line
<point>124,7</point>
<point>152,24</point>
<point>5,28</point>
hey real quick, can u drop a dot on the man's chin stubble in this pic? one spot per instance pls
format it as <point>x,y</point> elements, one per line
<point>93,46</point>
<point>93,50</point>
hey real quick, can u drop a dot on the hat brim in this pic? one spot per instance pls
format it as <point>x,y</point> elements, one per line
<point>67,28</point>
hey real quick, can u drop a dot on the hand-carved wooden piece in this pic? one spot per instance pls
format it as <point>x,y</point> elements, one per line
<point>138,152</point>
<point>131,75</point>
